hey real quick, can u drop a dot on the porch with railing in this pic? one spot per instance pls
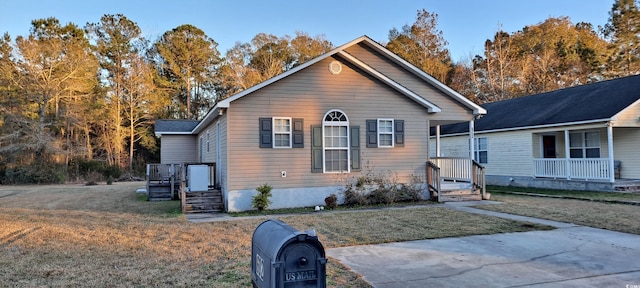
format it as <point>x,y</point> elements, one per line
<point>455,177</point>
<point>573,168</point>
<point>174,181</point>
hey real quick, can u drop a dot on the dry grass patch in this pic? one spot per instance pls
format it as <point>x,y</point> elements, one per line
<point>105,236</point>
<point>616,217</point>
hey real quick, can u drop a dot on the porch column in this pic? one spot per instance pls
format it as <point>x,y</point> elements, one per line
<point>567,154</point>
<point>612,175</point>
<point>472,149</point>
<point>438,141</point>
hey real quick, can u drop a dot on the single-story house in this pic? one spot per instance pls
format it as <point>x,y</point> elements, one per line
<point>355,110</point>
<point>581,138</point>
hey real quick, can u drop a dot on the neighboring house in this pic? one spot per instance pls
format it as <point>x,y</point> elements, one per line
<point>357,109</point>
<point>584,137</point>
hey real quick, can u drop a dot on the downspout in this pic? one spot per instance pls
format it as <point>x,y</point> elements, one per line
<point>610,148</point>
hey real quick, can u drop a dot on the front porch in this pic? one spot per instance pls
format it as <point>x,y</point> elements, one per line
<point>577,154</point>
<point>577,169</point>
<point>456,179</point>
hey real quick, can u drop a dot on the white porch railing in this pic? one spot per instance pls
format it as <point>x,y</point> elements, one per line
<point>454,168</point>
<point>574,168</point>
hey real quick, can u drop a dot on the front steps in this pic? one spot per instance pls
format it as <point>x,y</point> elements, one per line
<point>203,202</point>
<point>457,191</point>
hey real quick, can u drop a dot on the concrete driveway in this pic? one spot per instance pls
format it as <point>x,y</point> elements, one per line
<point>570,256</point>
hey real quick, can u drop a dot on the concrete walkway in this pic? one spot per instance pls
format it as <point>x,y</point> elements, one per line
<point>570,256</point>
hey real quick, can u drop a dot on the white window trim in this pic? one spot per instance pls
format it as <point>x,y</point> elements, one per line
<point>324,148</point>
<point>583,145</point>
<point>273,129</point>
<point>393,133</point>
<point>477,150</point>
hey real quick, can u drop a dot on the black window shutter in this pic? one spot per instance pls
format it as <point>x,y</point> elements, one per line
<point>297,133</point>
<point>316,149</point>
<point>372,133</point>
<point>399,132</point>
<point>265,133</point>
<point>355,148</point>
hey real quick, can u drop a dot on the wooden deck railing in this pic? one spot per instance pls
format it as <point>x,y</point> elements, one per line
<point>479,179</point>
<point>458,170</point>
<point>454,168</point>
<point>573,168</point>
<point>433,180</point>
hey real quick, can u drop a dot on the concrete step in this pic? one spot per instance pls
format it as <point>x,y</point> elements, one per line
<point>460,197</point>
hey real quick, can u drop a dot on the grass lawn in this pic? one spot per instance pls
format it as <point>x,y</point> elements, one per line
<point>611,216</point>
<point>107,236</point>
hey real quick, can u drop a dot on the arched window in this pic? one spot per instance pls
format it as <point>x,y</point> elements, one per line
<point>335,127</point>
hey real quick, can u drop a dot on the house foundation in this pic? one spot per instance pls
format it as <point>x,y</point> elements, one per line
<point>620,185</point>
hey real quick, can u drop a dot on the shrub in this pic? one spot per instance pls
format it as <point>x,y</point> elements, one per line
<point>354,196</point>
<point>261,200</point>
<point>331,201</point>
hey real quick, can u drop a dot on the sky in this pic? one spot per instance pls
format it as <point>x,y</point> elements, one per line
<point>465,24</point>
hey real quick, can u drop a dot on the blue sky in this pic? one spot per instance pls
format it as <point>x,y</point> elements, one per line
<point>466,24</point>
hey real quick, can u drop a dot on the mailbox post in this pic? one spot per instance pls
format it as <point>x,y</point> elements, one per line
<point>282,256</point>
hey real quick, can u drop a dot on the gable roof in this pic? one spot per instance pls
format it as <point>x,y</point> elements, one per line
<point>175,126</point>
<point>597,102</point>
<point>341,51</point>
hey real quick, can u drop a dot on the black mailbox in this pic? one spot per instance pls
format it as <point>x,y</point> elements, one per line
<point>282,256</point>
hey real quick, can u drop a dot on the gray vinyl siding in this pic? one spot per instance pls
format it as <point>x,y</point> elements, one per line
<point>454,110</point>
<point>178,149</point>
<point>309,94</point>
<point>627,150</point>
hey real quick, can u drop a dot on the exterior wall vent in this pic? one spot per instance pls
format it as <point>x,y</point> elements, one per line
<point>335,67</point>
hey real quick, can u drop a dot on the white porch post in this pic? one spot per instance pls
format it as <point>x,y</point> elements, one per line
<point>471,135</point>
<point>612,174</point>
<point>567,154</point>
<point>472,148</point>
<point>438,141</point>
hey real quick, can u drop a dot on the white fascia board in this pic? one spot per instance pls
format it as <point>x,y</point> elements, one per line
<point>227,102</point>
<point>604,121</point>
<point>213,114</point>
<point>159,134</point>
<point>431,108</point>
<point>477,109</point>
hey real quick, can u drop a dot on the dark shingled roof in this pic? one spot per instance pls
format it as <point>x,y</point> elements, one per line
<point>175,126</point>
<point>600,100</point>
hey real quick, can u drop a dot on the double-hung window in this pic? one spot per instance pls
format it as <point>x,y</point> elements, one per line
<point>480,150</point>
<point>584,144</point>
<point>385,133</point>
<point>281,132</point>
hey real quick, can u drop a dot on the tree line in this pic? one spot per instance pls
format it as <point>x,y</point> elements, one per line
<point>80,102</point>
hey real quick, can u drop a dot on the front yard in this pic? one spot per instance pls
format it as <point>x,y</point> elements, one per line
<point>107,236</point>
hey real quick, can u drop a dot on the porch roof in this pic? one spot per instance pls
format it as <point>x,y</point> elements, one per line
<point>599,101</point>
<point>174,126</point>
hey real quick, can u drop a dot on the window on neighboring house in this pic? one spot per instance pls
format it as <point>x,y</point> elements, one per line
<point>335,127</point>
<point>281,132</point>
<point>584,144</point>
<point>385,133</point>
<point>208,141</point>
<point>480,150</point>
